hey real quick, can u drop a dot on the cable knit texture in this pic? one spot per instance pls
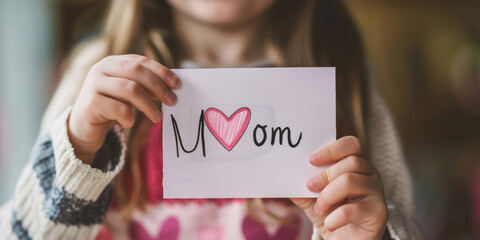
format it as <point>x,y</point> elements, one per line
<point>57,196</point>
<point>387,156</point>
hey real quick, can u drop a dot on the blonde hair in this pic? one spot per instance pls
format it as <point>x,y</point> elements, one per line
<point>298,33</point>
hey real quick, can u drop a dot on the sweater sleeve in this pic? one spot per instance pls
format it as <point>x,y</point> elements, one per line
<point>57,195</point>
<point>387,157</point>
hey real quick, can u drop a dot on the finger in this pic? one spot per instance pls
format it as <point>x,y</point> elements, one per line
<point>348,185</point>
<point>132,92</point>
<point>158,69</point>
<point>128,69</point>
<point>351,213</point>
<point>307,205</point>
<point>115,110</point>
<point>336,151</point>
<point>350,164</point>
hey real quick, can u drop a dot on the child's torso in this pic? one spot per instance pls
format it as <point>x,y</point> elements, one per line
<point>211,219</point>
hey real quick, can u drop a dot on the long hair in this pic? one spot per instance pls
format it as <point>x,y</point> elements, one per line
<point>301,33</point>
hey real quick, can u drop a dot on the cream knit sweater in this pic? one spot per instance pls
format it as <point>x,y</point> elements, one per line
<point>53,197</point>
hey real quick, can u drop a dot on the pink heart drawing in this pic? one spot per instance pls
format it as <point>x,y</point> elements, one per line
<point>253,230</point>
<point>227,131</point>
<point>170,231</point>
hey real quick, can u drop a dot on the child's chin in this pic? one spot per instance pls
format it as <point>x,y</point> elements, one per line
<point>221,16</point>
<point>222,12</point>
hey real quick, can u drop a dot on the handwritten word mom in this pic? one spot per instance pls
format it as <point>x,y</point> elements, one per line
<point>229,130</point>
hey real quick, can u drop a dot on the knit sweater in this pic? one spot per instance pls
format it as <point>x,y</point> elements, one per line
<point>59,197</point>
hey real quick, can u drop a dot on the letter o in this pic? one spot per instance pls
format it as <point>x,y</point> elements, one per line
<point>264,135</point>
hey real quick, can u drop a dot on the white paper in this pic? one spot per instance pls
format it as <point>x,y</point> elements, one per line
<point>234,166</point>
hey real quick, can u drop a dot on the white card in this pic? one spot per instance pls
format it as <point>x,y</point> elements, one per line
<point>230,124</point>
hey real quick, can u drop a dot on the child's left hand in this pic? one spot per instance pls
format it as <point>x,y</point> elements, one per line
<point>351,203</point>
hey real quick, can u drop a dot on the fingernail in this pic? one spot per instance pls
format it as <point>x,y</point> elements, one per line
<point>312,158</point>
<point>159,117</point>
<point>173,79</point>
<point>312,184</point>
<point>170,98</point>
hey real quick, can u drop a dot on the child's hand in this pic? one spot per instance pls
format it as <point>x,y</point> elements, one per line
<point>351,204</point>
<point>113,87</point>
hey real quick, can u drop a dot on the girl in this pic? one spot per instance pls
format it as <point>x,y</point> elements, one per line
<point>65,191</point>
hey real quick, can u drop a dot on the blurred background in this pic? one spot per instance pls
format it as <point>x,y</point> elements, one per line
<point>427,57</point>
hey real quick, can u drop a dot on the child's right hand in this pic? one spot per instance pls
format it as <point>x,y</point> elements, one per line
<point>112,88</point>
